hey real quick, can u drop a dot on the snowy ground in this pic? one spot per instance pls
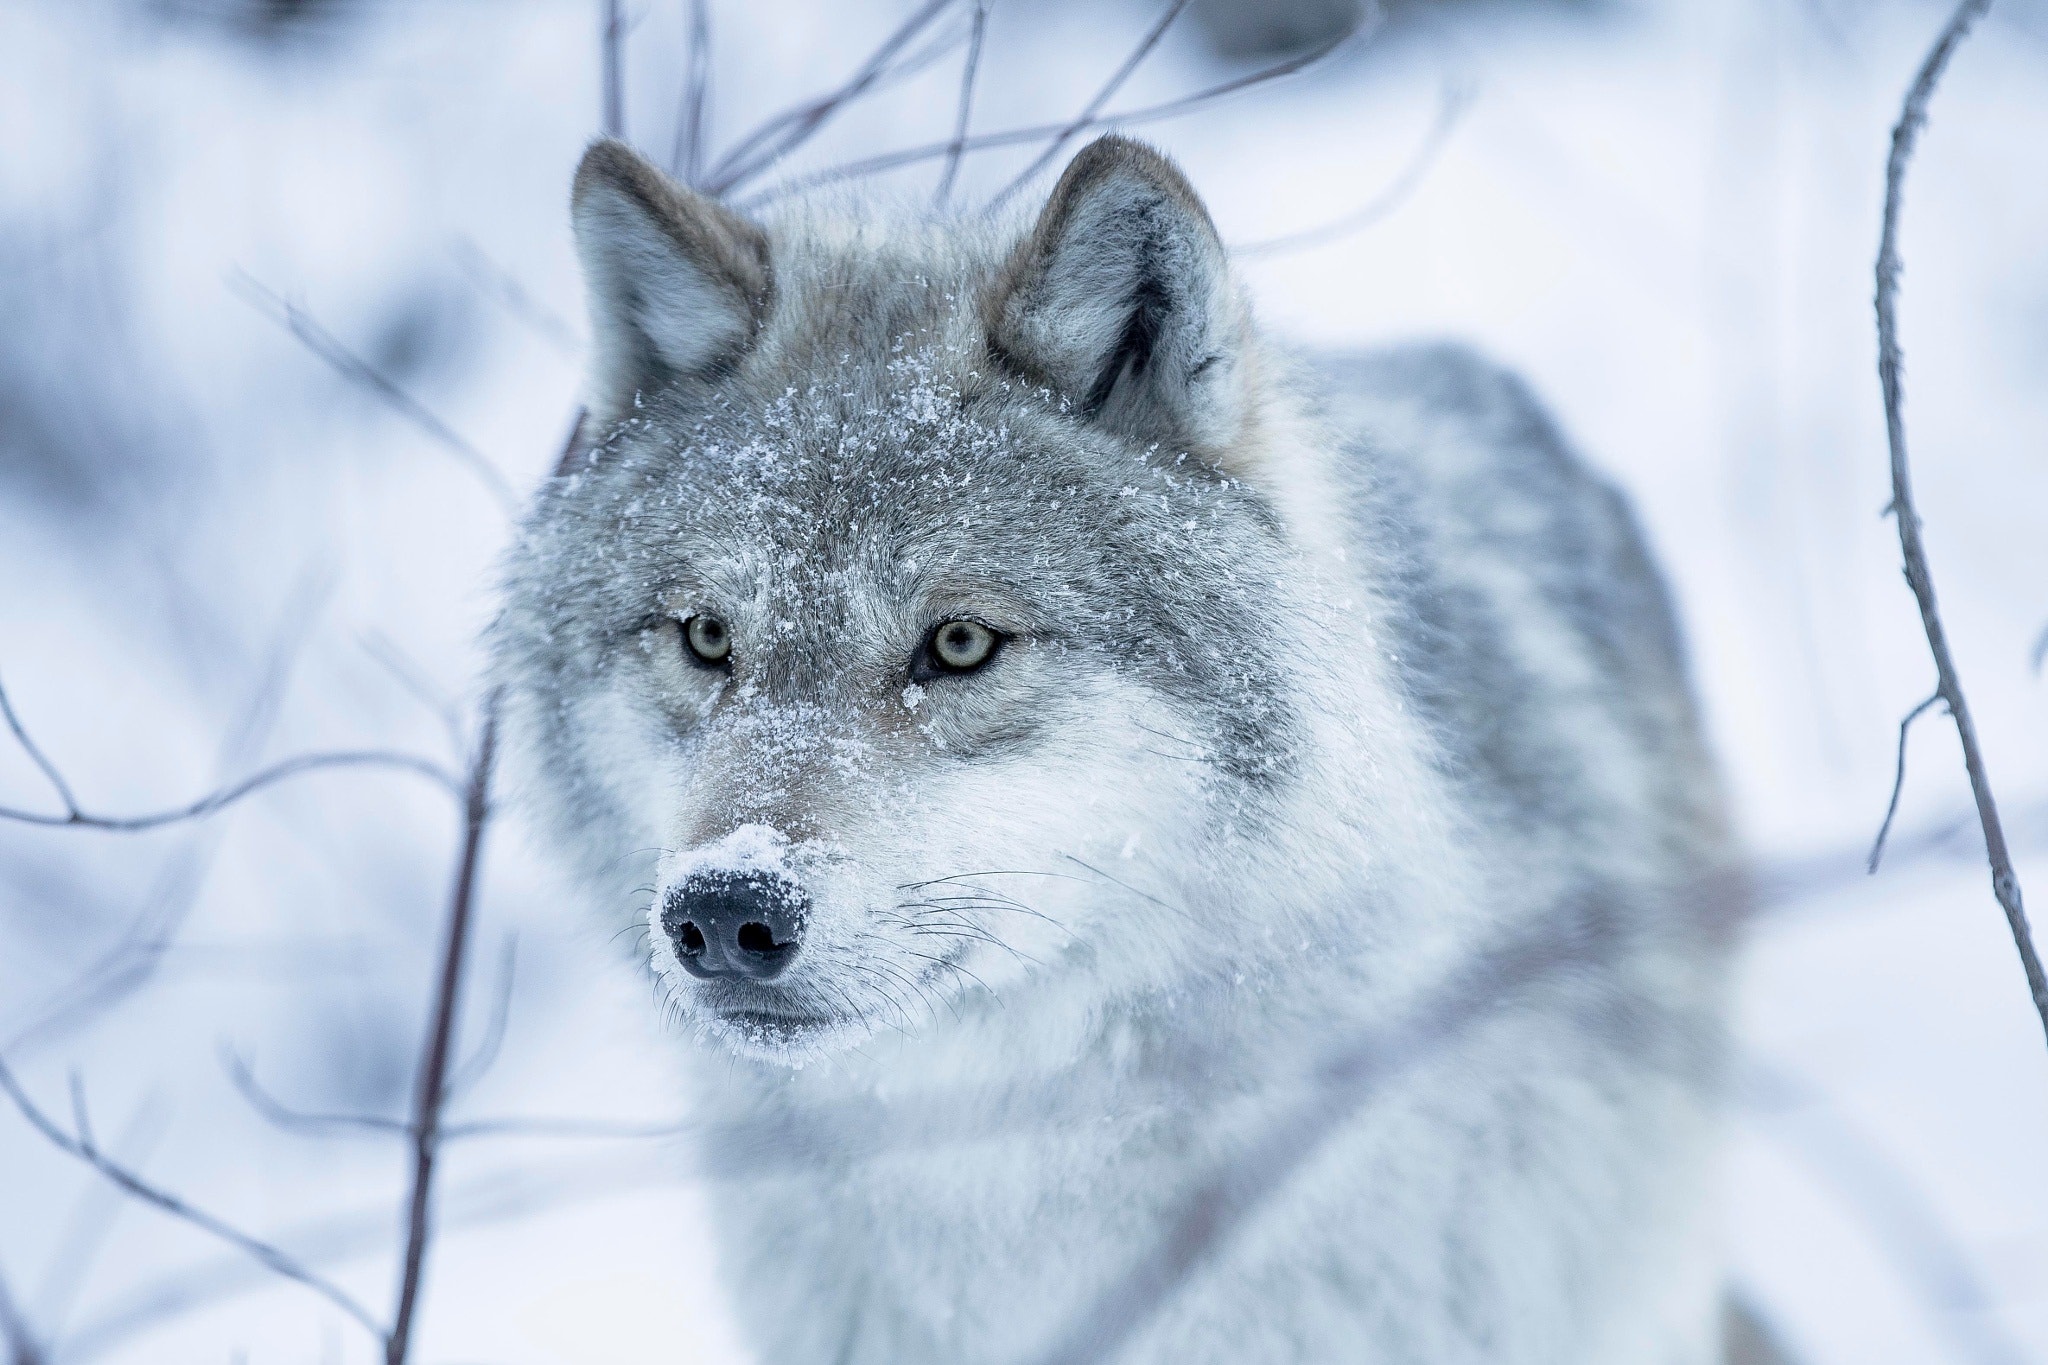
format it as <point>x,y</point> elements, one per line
<point>1664,214</point>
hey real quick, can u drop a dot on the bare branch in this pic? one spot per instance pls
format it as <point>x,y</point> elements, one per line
<point>22,1347</point>
<point>1017,137</point>
<point>969,69</point>
<point>784,133</point>
<point>432,1091</point>
<point>1891,810</point>
<point>2005,883</point>
<point>568,1128</point>
<point>37,756</point>
<point>1907,1228</point>
<point>270,1256</point>
<point>1204,1221</point>
<point>687,159</point>
<point>281,1115</point>
<point>486,1055</point>
<point>504,288</point>
<point>613,41</point>
<point>141,947</point>
<point>1450,109</point>
<point>1086,118</point>
<point>248,786</point>
<point>91,1223</point>
<point>368,377</point>
<point>408,674</point>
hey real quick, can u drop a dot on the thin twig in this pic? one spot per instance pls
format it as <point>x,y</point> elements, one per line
<point>37,756</point>
<point>248,786</point>
<point>282,1115</point>
<point>473,1068</point>
<point>270,1256</point>
<point>364,375</point>
<point>568,1128</point>
<point>432,1089</point>
<point>89,1227</point>
<point>613,41</point>
<point>505,288</point>
<point>408,673</point>
<point>1086,118</point>
<point>1015,137</point>
<point>1908,1228</point>
<point>1456,100</point>
<point>968,71</point>
<point>687,160</point>
<point>141,946</point>
<point>22,1347</point>
<point>1891,810</point>
<point>785,132</point>
<point>2005,883</point>
<point>1203,1222</point>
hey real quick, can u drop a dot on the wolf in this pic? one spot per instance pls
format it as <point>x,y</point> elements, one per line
<point>1059,743</point>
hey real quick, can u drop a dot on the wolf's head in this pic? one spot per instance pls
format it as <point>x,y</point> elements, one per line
<point>913,628</point>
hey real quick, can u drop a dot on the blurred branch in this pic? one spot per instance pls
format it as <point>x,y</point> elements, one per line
<point>1907,1228</point>
<point>1891,810</point>
<point>1017,137</point>
<point>504,287</point>
<point>968,71</point>
<point>275,1259</point>
<point>281,1115</point>
<point>248,786</point>
<point>368,377</point>
<point>686,161</point>
<point>407,673</point>
<point>613,78</point>
<point>433,1089</point>
<point>39,758</point>
<point>1203,1222</point>
<point>22,1348</point>
<point>480,1061</point>
<point>1456,99</point>
<point>1905,134</point>
<point>1088,113</point>
<point>784,133</point>
<point>89,1227</point>
<point>151,930</point>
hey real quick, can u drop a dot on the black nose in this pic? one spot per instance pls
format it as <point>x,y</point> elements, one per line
<point>735,924</point>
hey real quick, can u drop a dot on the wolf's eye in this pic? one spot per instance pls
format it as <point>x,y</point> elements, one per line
<point>961,646</point>
<point>708,639</point>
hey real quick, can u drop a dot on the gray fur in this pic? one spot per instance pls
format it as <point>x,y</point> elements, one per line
<point>1322,678</point>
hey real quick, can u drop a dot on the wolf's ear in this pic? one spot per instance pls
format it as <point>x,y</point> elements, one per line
<point>677,283</point>
<point>1121,300</point>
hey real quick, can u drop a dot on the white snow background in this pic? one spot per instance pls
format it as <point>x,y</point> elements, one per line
<point>1664,213</point>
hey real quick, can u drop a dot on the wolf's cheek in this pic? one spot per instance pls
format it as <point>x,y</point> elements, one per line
<point>634,759</point>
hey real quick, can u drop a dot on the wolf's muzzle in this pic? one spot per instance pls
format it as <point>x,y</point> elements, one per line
<point>726,924</point>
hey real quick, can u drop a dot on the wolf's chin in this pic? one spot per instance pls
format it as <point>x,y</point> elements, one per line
<point>772,1036</point>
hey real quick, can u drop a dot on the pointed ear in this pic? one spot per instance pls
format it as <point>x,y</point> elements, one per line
<point>1121,300</point>
<point>677,283</point>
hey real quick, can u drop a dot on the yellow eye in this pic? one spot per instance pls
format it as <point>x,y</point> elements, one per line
<point>962,646</point>
<point>708,639</point>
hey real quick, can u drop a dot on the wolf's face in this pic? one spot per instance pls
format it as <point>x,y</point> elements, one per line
<point>906,633</point>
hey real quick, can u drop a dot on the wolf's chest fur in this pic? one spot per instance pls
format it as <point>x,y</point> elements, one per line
<point>1055,727</point>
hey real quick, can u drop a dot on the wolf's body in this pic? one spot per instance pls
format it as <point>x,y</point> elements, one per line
<point>1319,685</point>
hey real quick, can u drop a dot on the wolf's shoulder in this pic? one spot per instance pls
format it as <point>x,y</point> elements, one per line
<point>1453,456</point>
<point>1536,627</point>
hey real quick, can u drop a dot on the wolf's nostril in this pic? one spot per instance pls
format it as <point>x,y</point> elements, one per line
<point>735,925</point>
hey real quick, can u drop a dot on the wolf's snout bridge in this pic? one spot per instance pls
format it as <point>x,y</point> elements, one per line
<point>725,924</point>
